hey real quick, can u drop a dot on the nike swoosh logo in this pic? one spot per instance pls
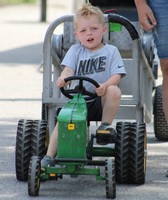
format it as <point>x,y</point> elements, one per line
<point>120,66</point>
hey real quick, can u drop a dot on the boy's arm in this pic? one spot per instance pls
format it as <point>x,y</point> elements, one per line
<point>113,80</point>
<point>67,71</point>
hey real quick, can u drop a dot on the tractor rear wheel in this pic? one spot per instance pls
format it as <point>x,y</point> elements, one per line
<point>110,178</point>
<point>34,176</point>
<point>122,152</point>
<point>138,148</point>
<point>23,149</point>
<point>160,124</point>
<point>39,138</point>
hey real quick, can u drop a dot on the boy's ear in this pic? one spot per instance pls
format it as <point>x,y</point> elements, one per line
<point>104,29</point>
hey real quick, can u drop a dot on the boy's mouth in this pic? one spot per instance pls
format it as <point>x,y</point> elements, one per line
<point>90,39</point>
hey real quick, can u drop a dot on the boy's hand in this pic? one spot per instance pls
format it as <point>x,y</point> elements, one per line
<point>65,73</point>
<point>60,82</point>
<point>100,91</point>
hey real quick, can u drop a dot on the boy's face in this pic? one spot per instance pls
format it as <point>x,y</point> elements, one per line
<point>89,32</point>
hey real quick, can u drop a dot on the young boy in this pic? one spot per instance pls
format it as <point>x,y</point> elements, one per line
<point>94,59</point>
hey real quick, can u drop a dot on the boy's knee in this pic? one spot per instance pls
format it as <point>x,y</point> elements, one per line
<point>114,92</point>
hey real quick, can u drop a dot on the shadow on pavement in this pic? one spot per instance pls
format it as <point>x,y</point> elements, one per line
<point>31,54</point>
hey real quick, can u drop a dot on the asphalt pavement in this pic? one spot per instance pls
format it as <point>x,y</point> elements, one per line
<point>21,41</point>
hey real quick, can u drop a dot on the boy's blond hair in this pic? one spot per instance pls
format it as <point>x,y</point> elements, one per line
<point>88,10</point>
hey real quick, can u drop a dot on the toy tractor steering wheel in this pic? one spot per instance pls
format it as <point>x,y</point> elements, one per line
<point>80,89</point>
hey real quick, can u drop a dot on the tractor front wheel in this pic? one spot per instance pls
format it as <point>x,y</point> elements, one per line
<point>34,176</point>
<point>110,178</point>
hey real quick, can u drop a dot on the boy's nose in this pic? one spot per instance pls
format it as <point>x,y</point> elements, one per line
<point>89,32</point>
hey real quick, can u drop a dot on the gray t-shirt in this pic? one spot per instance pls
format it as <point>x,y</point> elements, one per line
<point>99,65</point>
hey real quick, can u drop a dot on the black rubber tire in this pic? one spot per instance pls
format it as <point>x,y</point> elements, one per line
<point>160,124</point>
<point>137,165</point>
<point>39,138</point>
<point>34,176</point>
<point>122,152</point>
<point>43,112</point>
<point>110,178</point>
<point>23,149</point>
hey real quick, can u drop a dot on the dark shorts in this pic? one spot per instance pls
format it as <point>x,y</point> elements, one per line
<point>95,110</point>
<point>160,10</point>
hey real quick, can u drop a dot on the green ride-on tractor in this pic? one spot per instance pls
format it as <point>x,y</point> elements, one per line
<point>75,151</point>
<point>122,154</point>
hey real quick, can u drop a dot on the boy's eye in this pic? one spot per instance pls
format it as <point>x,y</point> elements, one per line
<point>82,31</point>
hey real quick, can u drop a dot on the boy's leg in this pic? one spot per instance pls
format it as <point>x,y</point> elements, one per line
<point>52,149</point>
<point>105,108</point>
<point>110,103</point>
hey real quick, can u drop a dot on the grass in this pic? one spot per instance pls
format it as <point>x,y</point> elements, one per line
<point>7,2</point>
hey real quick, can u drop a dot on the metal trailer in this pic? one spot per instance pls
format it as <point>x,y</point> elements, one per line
<point>137,86</point>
